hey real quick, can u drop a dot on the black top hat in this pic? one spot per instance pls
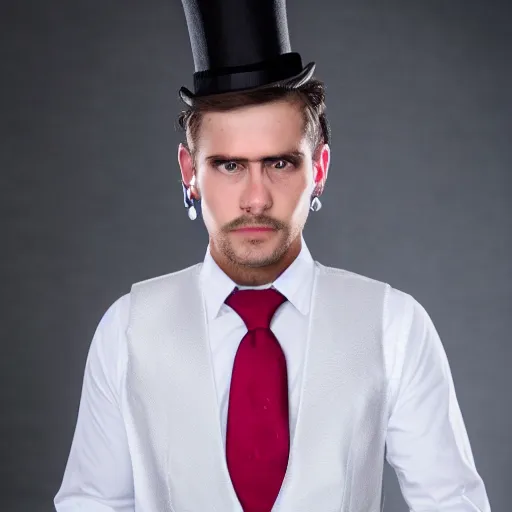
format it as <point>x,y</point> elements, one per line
<point>241,44</point>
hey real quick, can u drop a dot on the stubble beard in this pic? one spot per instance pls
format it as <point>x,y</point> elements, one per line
<point>251,253</point>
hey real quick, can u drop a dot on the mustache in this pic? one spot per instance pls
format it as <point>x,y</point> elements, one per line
<point>247,222</point>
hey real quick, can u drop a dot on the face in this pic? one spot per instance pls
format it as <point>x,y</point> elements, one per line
<point>255,174</point>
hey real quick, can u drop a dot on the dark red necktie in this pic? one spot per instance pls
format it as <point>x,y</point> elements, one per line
<point>257,433</point>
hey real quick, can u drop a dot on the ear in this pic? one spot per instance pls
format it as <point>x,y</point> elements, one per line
<point>321,167</point>
<point>186,162</point>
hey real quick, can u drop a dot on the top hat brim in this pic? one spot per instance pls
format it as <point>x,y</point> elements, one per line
<point>292,82</point>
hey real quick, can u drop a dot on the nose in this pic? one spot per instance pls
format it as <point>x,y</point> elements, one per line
<point>256,196</point>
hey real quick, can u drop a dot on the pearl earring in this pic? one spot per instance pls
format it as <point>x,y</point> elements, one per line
<point>316,204</point>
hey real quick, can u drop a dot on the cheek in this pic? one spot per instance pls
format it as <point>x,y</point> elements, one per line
<point>297,190</point>
<point>302,196</point>
<point>216,201</point>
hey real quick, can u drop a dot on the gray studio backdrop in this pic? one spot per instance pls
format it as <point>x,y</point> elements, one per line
<point>418,195</point>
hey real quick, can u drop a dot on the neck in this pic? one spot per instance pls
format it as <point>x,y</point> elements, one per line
<point>256,276</point>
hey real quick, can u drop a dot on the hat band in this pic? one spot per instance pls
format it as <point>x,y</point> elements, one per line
<point>230,79</point>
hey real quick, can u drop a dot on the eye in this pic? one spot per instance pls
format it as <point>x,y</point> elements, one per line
<point>230,166</point>
<point>225,165</point>
<point>280,164</point>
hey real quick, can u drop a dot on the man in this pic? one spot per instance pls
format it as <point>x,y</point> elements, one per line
<point>261,379</point>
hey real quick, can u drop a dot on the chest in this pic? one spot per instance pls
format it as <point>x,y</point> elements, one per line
<point>172,413</point>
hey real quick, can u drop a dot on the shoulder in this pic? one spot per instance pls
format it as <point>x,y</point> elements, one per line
<point>347,275</point>
<point>402,313</point>
<point>164,279</point>
<point>353,285</point>
<point>407,314</point>
<point>116,314</point>
<point>112,324</point>
<point>399,305</point>
<point>107,354</point>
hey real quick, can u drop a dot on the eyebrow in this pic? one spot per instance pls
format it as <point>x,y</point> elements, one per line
<point>289,155</point>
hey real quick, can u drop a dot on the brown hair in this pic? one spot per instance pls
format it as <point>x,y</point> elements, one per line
<point>311,97</point>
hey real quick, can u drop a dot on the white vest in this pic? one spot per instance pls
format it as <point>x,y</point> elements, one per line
<point>173,424</point>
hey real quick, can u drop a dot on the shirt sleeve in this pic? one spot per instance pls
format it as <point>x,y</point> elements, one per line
<point>98,474</point>
<point>427,444</point>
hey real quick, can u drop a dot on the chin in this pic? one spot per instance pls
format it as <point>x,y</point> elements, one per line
<point>256,252</point>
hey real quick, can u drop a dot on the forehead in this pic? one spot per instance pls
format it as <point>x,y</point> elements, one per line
<point>253,130</point>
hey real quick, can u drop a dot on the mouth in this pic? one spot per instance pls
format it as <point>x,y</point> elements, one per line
<point>253,229</point>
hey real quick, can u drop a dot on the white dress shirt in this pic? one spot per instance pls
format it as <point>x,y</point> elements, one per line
<point>426,440</point>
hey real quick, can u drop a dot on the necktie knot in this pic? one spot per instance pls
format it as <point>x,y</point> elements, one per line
<point>256,307</point>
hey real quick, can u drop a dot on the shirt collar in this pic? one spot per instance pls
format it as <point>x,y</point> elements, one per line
<point>295,283</point>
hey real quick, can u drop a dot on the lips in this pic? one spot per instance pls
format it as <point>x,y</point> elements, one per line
<point>255,228</point>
